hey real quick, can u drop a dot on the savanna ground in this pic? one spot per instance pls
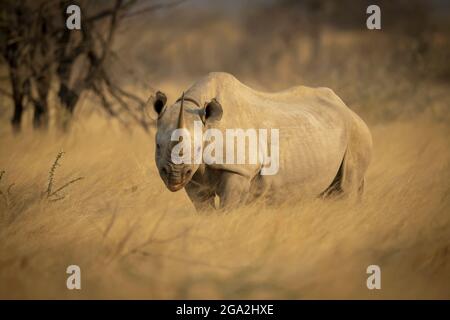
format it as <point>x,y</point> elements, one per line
<point>133,238</point>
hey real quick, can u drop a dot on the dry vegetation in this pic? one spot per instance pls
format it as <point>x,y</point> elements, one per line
<point>134,239</point>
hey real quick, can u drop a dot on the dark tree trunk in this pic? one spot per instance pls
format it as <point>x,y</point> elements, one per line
<point>67,94</point>
<point>11,53</point>
<point>40,118</point>
<point>68,98</point>
<point>17,93</point>
<point>17,116</point>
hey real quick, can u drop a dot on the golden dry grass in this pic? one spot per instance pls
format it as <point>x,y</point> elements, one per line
<point>134,239</point>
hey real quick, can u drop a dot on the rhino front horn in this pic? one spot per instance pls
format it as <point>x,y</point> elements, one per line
<point>181,116</point>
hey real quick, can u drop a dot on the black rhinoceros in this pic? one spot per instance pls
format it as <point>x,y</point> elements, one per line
<point>321,147</point>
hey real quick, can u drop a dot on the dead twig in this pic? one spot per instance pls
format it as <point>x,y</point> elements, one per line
<point>53,195</point>
<point>51,173</point>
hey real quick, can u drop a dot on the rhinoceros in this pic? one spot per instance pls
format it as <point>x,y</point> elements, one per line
<point>324,147</point>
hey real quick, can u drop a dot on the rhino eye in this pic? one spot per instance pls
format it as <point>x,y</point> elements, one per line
<point>158,147</point>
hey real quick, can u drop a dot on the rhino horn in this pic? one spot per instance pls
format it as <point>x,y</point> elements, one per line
<point>180,124</point>
<point>181,116</point>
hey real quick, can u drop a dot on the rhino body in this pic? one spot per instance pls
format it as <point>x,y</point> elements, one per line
<point>324,147</point>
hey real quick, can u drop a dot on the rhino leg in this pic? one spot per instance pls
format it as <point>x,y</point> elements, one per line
<point>356,161</point>
<point>233,190</point>
<point>201,197</point>
<point>352,175</point>
<point>349,179</point>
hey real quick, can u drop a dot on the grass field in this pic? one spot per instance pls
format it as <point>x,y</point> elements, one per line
<point>134,239</point>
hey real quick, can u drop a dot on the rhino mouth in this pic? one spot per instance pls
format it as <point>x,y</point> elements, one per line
<point>176,186</point>
<point>176,181</point>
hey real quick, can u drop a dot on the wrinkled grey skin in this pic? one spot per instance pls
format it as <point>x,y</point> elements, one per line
<point>325,148</point>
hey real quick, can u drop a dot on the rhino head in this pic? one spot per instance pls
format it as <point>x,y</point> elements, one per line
<point>183,114</point>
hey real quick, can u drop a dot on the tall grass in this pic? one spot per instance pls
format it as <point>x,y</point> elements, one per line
<point>134,239</point>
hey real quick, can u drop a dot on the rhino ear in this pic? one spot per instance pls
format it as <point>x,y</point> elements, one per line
<point>156,105</point>
<point>212,111</point>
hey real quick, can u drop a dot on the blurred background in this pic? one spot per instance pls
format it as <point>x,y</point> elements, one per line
<point>126,49</point>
